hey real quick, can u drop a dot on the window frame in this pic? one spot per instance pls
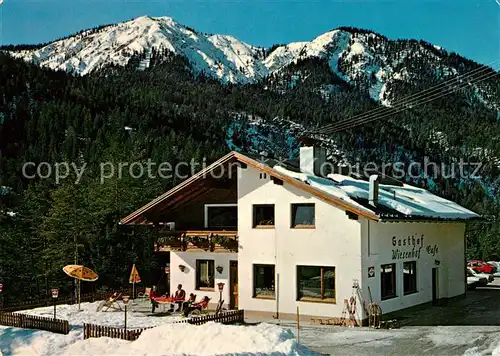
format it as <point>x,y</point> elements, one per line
<point>254,292</point>
<point>208,206</point>
<point>256,226</point>
<point>394,282</point>
<point>197,275</point>
<point>414,274</point>
<point>292,215</point>
<point>322,299</point>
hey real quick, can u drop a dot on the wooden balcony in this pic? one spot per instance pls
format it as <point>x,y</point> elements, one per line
<point>197,241</point>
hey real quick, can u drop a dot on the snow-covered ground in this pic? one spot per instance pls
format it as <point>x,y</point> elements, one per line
<point>165,338</point>
<point>14,341</point>
<point>272,337</point>
<point>89,315</point>
<point>480,340</point>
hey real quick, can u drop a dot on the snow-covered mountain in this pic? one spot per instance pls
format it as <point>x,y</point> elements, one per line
<point>224,57</point>
<point>359,57</point>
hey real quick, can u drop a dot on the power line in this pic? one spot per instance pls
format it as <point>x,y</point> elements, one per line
<point>413,97</point>
<point>421,93</point>
<point>352,123</point>
<point>345,125</point>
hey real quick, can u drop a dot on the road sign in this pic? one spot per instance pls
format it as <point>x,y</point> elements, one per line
<point>1,287</point>
<point>54,292</point>
<point>371,271</point>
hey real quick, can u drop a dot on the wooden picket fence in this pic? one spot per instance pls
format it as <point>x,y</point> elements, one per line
<point>230,317</point>
<point>91,330</point>
<point>34,322</point>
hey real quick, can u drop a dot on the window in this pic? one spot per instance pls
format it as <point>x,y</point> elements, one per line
<point>263,215</point>
<point>316,283</point>
<point>302,215</point>
<point>263,281</point>
<point>205,274</point>
<point>410,277</point>
<point>222,216</point>
<point>388,281</point>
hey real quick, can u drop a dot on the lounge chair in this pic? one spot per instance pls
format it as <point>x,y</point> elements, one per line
<point>144,295</point>
<point>111,302</point>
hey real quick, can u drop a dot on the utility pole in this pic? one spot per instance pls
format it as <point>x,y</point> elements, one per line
<point>75,241</point>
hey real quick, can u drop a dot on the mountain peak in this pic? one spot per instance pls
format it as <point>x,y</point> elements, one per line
<point>358,56</point>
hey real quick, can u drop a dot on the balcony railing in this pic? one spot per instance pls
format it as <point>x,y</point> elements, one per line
<point>209,241</point>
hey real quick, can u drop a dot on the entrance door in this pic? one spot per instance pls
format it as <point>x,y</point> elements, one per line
<point>435,283</point>
<point>233,284</point>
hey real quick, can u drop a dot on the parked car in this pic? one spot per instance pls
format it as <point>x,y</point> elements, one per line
<point>497,265</point>
<point>472,282</point>
<point>481,266</point>
<point>484,278</point>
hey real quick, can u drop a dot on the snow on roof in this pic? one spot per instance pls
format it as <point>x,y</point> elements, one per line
<point>410,201</point>
<point>323,184</point>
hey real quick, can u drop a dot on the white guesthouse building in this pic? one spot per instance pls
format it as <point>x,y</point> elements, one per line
<point>280,236</point>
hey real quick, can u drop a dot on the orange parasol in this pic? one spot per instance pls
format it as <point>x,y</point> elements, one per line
<point>134,278</point>
<point>81,272</point>
<point>134,275</point>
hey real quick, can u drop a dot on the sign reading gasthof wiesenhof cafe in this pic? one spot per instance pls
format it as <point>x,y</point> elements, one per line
<point>411,247</point>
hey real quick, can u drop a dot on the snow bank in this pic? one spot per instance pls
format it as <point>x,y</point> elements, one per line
<point>14,341</point>
<point>496,351</point>
<point>447,336</point>
<point>208,339</point>
<point>97,346</point>
<point>493,350</point>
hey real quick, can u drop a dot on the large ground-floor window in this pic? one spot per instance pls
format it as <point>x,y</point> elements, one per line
<point>205,274</point>
<point>410,277</point>
<point>388,281</point>
<point>263,281</point>
<point>316,283</point>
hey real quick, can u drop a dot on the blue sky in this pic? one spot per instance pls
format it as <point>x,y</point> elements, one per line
<point>468,27</point>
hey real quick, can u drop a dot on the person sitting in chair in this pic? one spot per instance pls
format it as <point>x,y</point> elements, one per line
<point>180,295</point>
<point>152,296</point>
<point>197,306</point>
<point>187,304</point>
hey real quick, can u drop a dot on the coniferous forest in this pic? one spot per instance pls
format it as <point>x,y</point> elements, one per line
<point>167,114</point>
